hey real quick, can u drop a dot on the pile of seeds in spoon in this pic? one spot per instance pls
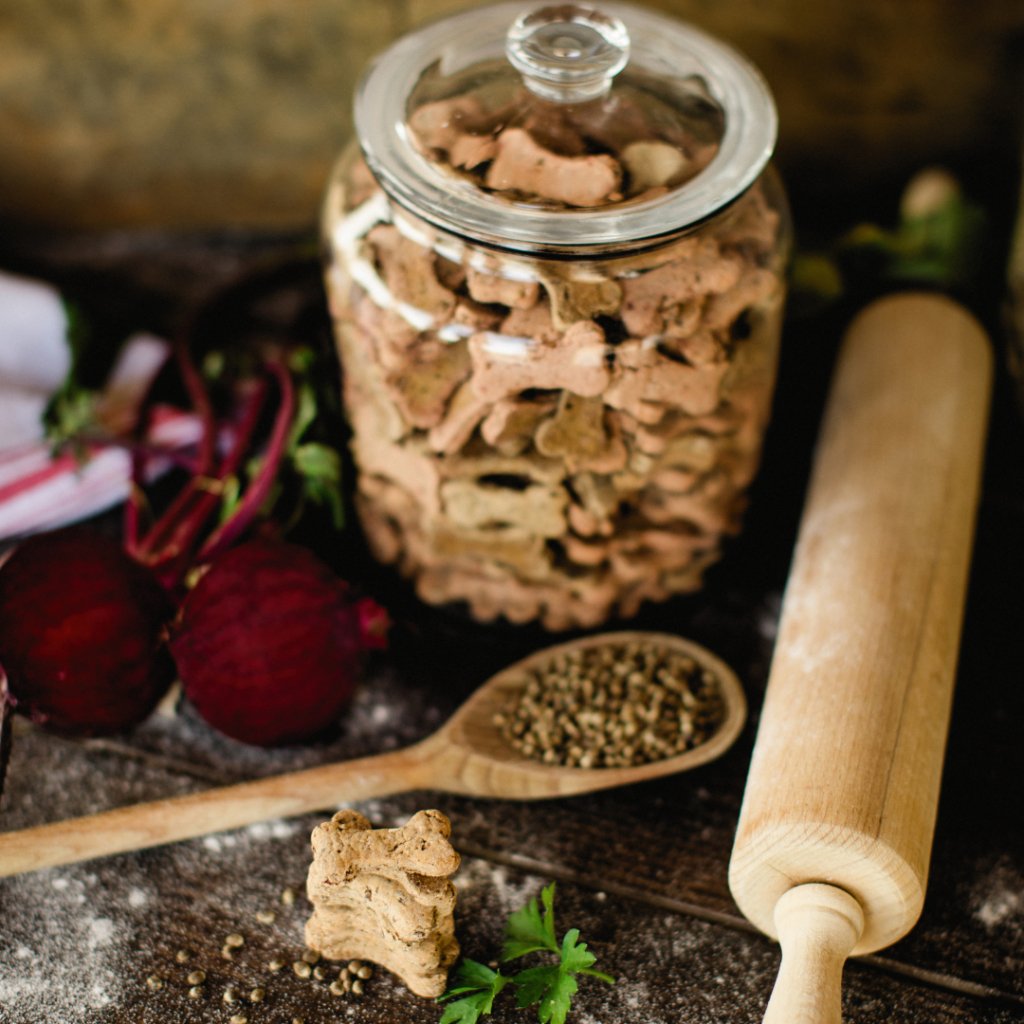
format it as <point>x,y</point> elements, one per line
<point>613,705</point>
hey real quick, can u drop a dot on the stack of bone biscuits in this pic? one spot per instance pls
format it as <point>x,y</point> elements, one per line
<point>384,895</point>
<point>542,440</point>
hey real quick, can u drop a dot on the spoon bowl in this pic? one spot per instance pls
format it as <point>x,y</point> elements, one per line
<point>479,755</point>
<point>467,755</point>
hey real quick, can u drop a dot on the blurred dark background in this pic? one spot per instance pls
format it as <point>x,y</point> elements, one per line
<point>202,116</point>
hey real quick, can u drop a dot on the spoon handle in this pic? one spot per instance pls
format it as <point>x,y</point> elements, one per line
<point>818,925</point>
<point>184,817</point>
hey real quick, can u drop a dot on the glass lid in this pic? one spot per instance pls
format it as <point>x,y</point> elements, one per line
<point>564,129</point>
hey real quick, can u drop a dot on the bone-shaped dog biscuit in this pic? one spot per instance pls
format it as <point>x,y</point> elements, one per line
<point>486,288</point>
<point>576,363</point>
<point>652,301</point>
<point>383,895</point>
<point>523,165</point>
<point>579,434</point>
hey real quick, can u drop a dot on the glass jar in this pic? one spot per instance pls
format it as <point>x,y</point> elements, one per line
<point>555,265</point>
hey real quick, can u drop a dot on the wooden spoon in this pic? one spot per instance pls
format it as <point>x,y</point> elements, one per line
<point>467,755</point>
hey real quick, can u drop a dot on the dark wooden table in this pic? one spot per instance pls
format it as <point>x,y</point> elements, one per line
<point>642,872</point>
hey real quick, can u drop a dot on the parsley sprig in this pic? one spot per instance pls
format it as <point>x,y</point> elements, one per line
<point>476,985</point>
<point>548,986</point>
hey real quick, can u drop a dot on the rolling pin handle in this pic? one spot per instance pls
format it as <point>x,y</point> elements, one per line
<point>818,925</point>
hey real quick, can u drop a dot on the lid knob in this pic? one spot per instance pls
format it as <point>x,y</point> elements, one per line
<point>567,53</point>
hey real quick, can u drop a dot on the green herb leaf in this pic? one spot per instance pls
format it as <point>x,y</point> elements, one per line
<point>319,468</point>
<point>533,984</point>
<point>578,959</point>
<point>575,955</point>
<point>315,464</point>
<point>549,988</point>
<point>69,414</point>
<point>528,931</point>
<point>478,986</point>
<point>467,1010</point>
<point>305,409</point>
<point>941,239</point>
<point>557,1001</point>
<point>472,974</point>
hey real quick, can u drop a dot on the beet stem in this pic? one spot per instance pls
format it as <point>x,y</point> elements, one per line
<point>189,513</point>
<point>133,506</point>
<point>200,398</point>
<point>6,733</point>
<point>258,490</point>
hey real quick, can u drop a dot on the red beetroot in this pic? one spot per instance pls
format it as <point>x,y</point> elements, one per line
<point>81,629</point>
<point>269,643</point>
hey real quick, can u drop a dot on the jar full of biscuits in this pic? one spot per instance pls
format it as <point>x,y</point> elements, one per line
<point>555,262</point>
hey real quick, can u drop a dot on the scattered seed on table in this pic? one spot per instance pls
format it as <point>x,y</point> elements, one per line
<point>357,988</point>
<point>182,956</point>
<point>345,974</point>
<point>230,995</point>
<point>365,972</point>
<point>227,953</point>
<point>276,964</point>
<point>196,977</point>
<point>288,896</point>
<point>155,982</point>
<point>257,995</point>
<point>311,956</point>
<point>265,916</point>
<point>338,987</point>
<point>234,941</point>
<point>320,973</point>
<point>302,969</point>
<point>354,965</point>
<point>196,992</point>
<point>238,1018</point>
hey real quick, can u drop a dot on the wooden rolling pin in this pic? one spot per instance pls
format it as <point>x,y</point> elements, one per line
<point>835,832</point>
